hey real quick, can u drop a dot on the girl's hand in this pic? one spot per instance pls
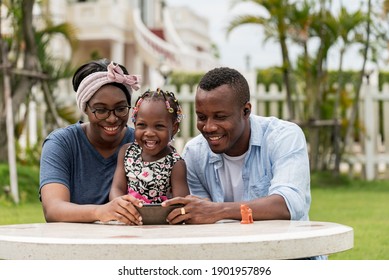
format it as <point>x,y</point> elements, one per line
<point>121,209</point>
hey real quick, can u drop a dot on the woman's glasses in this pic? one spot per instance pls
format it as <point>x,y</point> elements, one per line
<point>104,113</point>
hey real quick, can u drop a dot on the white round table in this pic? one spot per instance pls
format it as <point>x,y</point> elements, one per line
<point>224,240</point>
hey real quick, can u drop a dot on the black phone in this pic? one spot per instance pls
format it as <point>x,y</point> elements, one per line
<point>155,214</point>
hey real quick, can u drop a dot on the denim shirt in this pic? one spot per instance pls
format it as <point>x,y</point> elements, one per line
<point>276,163</point>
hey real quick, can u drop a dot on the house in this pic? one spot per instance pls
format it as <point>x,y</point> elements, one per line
<point>147,36</point>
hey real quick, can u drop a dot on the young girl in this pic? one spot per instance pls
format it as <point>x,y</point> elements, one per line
<point>150,169</point>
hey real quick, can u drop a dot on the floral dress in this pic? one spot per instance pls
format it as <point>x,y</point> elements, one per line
<point>149,181</point>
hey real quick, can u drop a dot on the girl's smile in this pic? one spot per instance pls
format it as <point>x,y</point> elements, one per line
<point>154,129</point>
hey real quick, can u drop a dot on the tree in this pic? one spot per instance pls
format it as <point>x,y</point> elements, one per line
<point>307,24</point>
<point>365,51</point>
<point>10,122</point>
<point>275,27</point>
<point>347,25</point>
<point>30,61</point>
<point>29,48</point>
<point>316,29</point>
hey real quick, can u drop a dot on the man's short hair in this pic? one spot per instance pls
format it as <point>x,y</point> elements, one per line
<point>227,76</point>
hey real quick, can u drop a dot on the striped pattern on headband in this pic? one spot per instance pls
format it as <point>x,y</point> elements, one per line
<point>91,83</point>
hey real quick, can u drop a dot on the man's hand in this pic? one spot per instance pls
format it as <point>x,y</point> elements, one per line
<point>196,210</point>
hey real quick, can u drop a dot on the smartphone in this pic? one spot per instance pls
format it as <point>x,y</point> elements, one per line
<point>155,214</point>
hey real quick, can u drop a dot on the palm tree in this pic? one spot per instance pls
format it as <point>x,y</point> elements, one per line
<point>347,26</point>
<point>365,52</point>
<point>299,30</point>
<point>30,61</point>
<point>275,27</point>
<point>301,22</point>
<point>27,47</point>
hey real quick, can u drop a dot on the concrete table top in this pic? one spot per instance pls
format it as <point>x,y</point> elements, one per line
<point>224,240</point>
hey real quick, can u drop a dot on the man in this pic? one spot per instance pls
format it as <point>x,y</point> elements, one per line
<point>241,158</point>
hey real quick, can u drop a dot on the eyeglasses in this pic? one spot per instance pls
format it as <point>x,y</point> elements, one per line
<point>104,113</point>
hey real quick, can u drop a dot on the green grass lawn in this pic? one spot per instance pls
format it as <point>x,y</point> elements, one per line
<point>25,213</point>
<point>29,210</point>
<point>364,206</point>
<point>360,205</point>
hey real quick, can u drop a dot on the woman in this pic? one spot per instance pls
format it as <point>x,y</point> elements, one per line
<point>78,162</point>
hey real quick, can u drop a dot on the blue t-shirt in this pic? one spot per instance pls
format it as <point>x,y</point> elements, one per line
<point>68,158</point>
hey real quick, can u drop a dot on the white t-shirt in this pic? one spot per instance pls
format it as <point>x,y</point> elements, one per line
<point>231,177</point>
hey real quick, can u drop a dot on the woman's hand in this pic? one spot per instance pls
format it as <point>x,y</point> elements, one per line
<point>196,210</point>
<point>121,209</point>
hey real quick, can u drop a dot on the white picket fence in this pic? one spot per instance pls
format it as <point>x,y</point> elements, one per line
<point>368,158</point>
<point>374,152</point>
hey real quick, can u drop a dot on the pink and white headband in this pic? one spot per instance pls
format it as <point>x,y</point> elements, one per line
<point>91,83</point>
